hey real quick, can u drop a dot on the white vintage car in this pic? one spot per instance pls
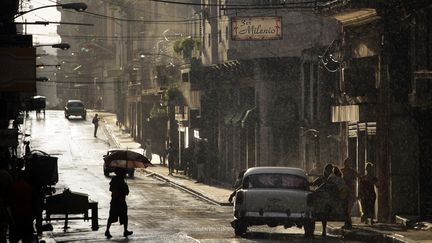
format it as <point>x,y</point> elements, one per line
<point>273,196</point>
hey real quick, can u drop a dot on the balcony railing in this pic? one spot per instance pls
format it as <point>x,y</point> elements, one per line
<point>341,5</point>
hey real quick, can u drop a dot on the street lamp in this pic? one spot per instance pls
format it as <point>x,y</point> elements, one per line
<point>63,46</point>
<point>79,7</point>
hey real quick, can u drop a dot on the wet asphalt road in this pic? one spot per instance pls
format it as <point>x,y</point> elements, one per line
<point>157,212</point>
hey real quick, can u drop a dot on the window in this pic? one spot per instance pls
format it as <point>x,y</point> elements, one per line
<point>75,104</point>
<point>277,181</point>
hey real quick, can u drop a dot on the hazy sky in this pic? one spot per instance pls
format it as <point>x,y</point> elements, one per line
<point>42,34</point>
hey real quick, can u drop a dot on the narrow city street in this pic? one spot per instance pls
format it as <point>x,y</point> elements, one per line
<point>157,212</point>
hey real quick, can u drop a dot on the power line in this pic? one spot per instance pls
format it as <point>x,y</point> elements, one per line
<point>183,21</point>
<point>235,5</point>
<point>140,20</point>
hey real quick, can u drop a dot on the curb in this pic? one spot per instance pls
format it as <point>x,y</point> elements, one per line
<point>186,189</point>
<point>109,133</point>
<point>364,234</point>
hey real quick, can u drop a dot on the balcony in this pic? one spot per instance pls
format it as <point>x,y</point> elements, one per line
<point>341,5</point>
<point>421,94</point>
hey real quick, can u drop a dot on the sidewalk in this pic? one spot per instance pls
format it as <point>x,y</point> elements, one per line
<point>219,195</point>
<point>121,139</point>
<point>380,232</point>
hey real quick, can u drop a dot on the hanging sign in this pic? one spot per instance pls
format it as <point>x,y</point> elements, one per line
<point>256,28</point>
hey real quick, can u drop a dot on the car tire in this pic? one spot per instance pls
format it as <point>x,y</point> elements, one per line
<point>67,117</point>
<point>84,117</point>
<point>106,173</point>
<point>240,228</point>
<point>309,228</point>
<point>131,173</point>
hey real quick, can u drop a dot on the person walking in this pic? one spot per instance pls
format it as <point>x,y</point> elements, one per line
<point>95,122</point>
<point>171,152</point>
<point>367,193</point>
<point>323,186</point>
<point>118,207</point>
<point>349,175</point>
<point>201,161</point>
<point>148,150</point>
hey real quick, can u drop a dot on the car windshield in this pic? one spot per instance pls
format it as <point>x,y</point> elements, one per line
<point>75,104</point>
<point>279,181</point>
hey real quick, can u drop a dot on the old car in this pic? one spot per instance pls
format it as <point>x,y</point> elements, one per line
<point>273,196</point>
<point>75,108</point>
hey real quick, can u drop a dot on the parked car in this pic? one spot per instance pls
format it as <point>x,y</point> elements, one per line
<point>75,108</point>
<point>273,196</point>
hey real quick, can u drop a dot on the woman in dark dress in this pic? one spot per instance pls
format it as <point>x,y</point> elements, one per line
<point>367,193</point>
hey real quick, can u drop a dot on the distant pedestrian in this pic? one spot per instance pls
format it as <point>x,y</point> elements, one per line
<point>201,161</point>
<point>187,159</point>
<point>148,150</point>
<point>367,193</point>
<point>350,176</point>
<point>171,153</point>
<point>27,149</point>
<point>95,122</point>
<point>118,207</point>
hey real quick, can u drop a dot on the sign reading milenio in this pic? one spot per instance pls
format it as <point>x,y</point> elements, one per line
<point>256,28</point>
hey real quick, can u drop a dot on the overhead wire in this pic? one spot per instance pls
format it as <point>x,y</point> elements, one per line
<point>234,5</point>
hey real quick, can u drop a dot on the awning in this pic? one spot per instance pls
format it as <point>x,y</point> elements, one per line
<point>345,113</point>
<point>354,113</point>
<point>357,17</point>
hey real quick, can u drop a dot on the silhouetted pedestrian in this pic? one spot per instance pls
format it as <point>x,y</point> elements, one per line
<point>350,176</point>
<point>367,193</point>
<point>201,161</point>
<point>118,207</point>
<point>27,150</point>
<point>148,150</point>
<point>188,159</point>
<point>323,185</point>
<point>172,157</point>
<point>95,122</point>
